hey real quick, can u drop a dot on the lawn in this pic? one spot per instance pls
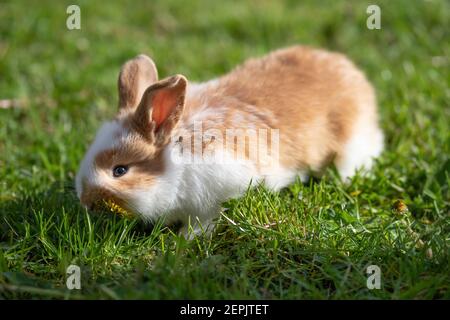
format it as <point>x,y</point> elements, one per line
<point>310,241</point>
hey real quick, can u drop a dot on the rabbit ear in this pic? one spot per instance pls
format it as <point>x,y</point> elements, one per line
<point>161,108</point>
<point>135,77</point>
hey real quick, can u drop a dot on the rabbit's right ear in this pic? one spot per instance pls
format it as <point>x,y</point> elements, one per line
<point>135,77</point>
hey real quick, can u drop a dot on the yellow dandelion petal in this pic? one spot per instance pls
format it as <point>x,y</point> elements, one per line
<point>116,209</point>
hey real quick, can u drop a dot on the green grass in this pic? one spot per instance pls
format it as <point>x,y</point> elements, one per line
<point>309,241</point>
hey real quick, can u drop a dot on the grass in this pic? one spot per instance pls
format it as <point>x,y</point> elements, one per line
<point>309,241</point>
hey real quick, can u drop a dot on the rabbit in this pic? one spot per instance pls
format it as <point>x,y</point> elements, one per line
<point>169,152</point>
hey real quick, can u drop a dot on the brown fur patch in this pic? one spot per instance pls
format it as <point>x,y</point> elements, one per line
<point>93,194</point>
<point>314,97</point>
<point>144,161</point>
<point>135,77</point>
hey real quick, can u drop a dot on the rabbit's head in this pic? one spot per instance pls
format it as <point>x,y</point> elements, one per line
<point>127,164</point>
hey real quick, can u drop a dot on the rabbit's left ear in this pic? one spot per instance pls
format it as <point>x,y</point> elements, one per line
<point>135,77</point>
<point>161,108</point>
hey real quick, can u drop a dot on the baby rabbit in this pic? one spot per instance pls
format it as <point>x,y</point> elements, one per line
<point>177,150</point>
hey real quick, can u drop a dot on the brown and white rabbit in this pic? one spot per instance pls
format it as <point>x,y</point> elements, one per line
<point>178,150</point>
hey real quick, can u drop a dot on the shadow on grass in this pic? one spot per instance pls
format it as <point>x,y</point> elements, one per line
<point>42,233</point>
<point>57,202</point>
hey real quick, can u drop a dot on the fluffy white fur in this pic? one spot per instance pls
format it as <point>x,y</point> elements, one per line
<point>363,147</point>
<point>104,140</point>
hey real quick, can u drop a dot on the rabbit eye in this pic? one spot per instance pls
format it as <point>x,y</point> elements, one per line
<point>119,171</point>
